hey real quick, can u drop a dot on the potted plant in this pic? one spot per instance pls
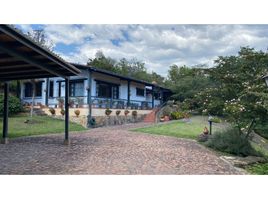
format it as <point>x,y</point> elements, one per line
<point>118,112</point>
<point>62,112</point>
<point>71,103</point>
<point>77,113</point>
<point>52,111</point>
<point>60,102</point>
<point>108,112</point>
<point>162,118</point>
<point>134,113</point>
<point>126,112</point>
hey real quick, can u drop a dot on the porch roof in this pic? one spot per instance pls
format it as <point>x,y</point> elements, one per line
<point>109,73</point>
<point>22,58</point>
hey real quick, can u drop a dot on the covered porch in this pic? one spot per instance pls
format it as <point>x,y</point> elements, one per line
<point>22,58</point>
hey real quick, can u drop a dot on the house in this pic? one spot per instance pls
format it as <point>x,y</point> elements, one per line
<point>99,88</point>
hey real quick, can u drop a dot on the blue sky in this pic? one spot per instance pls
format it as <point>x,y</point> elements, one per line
<point>159,46</point>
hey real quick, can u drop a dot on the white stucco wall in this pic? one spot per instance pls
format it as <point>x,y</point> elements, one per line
<point>123,89</point>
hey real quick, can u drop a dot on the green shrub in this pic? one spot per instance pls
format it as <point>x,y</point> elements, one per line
<point>14,104</point>
<point>167,110</point>
<point>230,141</point>
<point>177,115</point>
<point>216,120</point>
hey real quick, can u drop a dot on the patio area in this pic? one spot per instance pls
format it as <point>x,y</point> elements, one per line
<point>110,150</point>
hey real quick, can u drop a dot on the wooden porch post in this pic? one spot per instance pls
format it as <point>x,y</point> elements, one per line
<point>89,98</point>
<point>66,139</point>
<point>47,92</point>
<point>152,96</point>
<point>5,114</point>
<point>128,93</point>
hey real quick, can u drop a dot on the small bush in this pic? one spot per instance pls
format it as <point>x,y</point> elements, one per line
<point>108,112</point>
<point>134,113</point>
<point>118,112</point>
<point>177,115</point>
<point>77,113</point>
<point>126,112</point>
<point>52,111</point>
<point>14,104</point>
<point>167,110</point>
<point>216,120</point>
<point>230,141</point>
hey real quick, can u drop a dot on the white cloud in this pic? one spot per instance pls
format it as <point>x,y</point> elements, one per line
<point>159,46</point>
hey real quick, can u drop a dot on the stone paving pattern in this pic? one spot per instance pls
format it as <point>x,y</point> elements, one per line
<point>109,150</point>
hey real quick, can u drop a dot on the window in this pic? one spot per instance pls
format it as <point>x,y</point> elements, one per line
<point>51,88</point>
<point>28,90</point>
<point>157,95</point>
<point>77,88</point>
<point>59,94</point>
<point>139,92</point>
<point>106,90</point>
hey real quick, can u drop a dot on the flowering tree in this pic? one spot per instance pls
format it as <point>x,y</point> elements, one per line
<point>242,88</point>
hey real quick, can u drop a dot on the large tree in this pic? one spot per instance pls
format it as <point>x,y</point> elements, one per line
<point>185,81</point>
<point>39,37</point>
<point>133,68</point>
<point>241,93</point>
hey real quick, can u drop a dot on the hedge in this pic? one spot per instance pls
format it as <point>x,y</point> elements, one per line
<point>14,104</point>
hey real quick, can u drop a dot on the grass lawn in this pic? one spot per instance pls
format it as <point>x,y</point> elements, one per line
<point>182,129</point>
<point>39,125</point>
<point>259,169</point>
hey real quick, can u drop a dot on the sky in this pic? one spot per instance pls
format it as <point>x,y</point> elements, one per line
<point>158,46</point>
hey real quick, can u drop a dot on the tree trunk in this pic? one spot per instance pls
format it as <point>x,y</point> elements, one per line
<point>251,126</point>
<point>33,98</point>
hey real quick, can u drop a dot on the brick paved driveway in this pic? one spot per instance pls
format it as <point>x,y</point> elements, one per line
<point>113,150</point>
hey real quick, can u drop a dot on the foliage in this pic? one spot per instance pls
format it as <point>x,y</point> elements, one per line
<point>52,111</point>
<point>108,112</point>
<point>134,113</point>
<point>126,112</point>
<point>132,68</point>
<point>215,119</point>
<point>231,141</point>
<point>177,115</point>
<point>77,113</point>
<point>14,104</point>
<point>260,168</point>
<point>118,112</point>
<point>262,129</point>
<point>41,38</point>
<point>185,82</point>
<point>166,111</point>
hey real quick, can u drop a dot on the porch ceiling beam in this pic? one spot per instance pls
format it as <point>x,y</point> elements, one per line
<point>19,66</point>
<point>26,58</point>
<point>26,76</point>
<point>20,72</point>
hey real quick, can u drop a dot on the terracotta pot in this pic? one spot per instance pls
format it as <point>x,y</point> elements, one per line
<point>166,118</point>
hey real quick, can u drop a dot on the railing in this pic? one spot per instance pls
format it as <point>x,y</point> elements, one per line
<point>98,102</point>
